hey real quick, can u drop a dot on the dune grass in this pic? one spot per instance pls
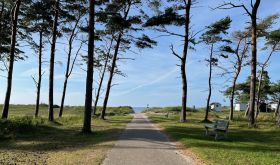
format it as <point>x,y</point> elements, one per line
<point>250,146</point>
<point>28,140</point>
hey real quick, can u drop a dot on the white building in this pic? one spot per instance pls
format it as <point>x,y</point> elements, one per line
<point>273,106</point>
<point>217,107</point>
<point>240,107</point>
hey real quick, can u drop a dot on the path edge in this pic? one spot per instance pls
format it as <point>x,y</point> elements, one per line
<point>186,153</point>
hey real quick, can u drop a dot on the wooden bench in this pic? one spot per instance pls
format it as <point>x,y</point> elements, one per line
<point>219,127</point>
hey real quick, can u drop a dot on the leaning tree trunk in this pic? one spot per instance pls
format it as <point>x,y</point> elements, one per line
<point>15,13</point>
<point>261,77</point>
<point>251,113</point>
<point>39,76</point>
<point>112,71</point>
<point>100,86</point>
<point>183,64</point>
<point>278,112</point>
<point>52,60</point>
<point>102,79</point>
<point>63,96</point>
<point>259,92</point>
<point>90,60</point>
<point>233,92</point>
<point>109,84</point>
<point>209,85</point>
<point>67,72</point>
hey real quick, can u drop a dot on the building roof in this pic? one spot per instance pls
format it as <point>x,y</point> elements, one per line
<point>215,103</point>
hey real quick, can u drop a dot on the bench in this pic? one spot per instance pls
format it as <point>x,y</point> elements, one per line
<point>219,127</point>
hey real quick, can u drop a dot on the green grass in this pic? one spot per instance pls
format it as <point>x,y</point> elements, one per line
<point>28,140</point>
<point>29,110</point>
<point>256,146</point>
<point>165,109</point>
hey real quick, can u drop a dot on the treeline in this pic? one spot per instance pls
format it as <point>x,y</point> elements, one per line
<point>110,28</point>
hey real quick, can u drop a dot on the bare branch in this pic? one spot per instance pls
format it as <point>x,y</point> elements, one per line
<point>230,5</point>
<point>34,80</point>
<point>174,53</point>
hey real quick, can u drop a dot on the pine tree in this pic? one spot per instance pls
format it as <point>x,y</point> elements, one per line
<point>76,11</point>
<point>212,37</point>
<point>119,18</point>
<point>178,15</point>
<point>15,13</point>
<point>37,20</point>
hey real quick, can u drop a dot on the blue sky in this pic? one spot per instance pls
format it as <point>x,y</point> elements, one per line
<point>153,77</point>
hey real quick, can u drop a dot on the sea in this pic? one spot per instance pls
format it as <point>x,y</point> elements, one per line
<point>139,109</point>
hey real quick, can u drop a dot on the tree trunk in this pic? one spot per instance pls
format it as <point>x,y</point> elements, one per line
<point>102,78</point>
<point>63,97</point>
<point>209,85</point>
<point>261,77</point>
<point>278,110</point>
<point>52,60</point>
<point>89,80</point>
<point>251,115</point>
<point>109,84</point>
<point>67,72</point>
<point>39,76</point>
<point>183,64</point>
<point>184,92</point>
<point>233,92</point>
<point>259,92</point>
<point>1,14</point>
<point>15,13</point>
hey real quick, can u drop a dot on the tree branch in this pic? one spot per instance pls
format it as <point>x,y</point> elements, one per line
<point>174,53</point>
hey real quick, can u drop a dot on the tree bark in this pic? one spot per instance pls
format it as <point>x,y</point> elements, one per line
<point>233,92</point>
<point>52,60</point>
<point>278,109</point>
<point>89,80</point>
<point>259,92</point>
<point>15,13</point>
<point>209,85</point>
<point>183,63</point>
<point>251,115</point>
<point>1,14</point>
<point>39,75</point>
<point>109,84</point>
<point>68,71</point>
<point>63,97</point>
<point>114,60</point>
<point>102,77</point>
<point>277,112</point>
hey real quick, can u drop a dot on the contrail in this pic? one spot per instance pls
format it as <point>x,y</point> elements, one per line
<point>149,82</point>
<point>175,69</point>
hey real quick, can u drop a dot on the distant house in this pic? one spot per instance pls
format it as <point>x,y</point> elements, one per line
<point>240,107</point>
<point>217,107</point>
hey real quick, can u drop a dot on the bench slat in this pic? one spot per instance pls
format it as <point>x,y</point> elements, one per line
<point>217,126</point>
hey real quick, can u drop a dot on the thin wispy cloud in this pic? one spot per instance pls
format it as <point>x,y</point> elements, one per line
<point>151,82</point>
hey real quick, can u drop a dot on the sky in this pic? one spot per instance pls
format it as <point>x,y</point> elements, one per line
<point>153,77</point>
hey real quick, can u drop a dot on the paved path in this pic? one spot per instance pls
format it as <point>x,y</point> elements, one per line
<point>143,144</point>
